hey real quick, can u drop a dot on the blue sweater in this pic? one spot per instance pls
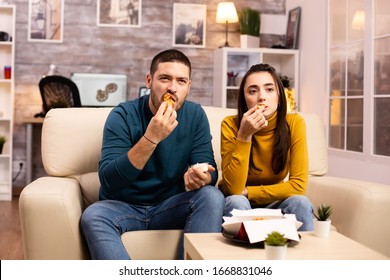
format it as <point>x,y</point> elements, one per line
<point>162,176</point>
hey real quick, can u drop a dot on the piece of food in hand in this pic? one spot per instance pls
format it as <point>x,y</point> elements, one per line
<point>260,106</point>
<point>201,166</point>
<point>168,99</point>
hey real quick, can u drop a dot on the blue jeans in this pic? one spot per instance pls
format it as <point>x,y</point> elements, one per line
<point>299,205</point>
<point>104,222</point>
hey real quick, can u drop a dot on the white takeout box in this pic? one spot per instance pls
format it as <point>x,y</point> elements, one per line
<point>257,230</point>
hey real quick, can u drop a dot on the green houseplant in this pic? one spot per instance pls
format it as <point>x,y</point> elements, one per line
<point>2,141</point>
<point>323,212</point>
<point>249,20</point>
<point>322,222</point>
<point>275,246</point>
<point>275,238</point>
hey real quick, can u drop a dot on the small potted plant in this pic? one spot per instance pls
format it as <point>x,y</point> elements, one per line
<point>2,141</point>
<point>275,246</point>
<point>322,222</point>
<point>249,20</point>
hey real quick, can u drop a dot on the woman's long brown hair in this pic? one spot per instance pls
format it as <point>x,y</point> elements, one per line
<point>282,140</point>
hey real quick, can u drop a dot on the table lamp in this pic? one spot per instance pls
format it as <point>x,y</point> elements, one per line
<point>226,13</point>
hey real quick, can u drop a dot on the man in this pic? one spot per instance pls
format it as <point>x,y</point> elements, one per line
<point>146,171</point>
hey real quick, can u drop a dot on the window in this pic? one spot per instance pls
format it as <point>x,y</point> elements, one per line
<point>358,95</point>
<point>382,78</point>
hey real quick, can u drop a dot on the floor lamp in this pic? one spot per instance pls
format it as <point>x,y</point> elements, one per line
<point>226,13</point>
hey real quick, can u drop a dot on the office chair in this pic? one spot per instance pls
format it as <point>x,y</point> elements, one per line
<point>58,92</point>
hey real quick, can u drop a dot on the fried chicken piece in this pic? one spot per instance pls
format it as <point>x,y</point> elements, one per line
<point>259,106</point>
<point>168,99</point>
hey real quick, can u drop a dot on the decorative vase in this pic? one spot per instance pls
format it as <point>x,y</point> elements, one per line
<point>275,252</point>
<point>322,228</point>
<point>249,41</point>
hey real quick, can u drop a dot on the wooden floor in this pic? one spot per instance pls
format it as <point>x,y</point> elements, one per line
<point>11,247</point>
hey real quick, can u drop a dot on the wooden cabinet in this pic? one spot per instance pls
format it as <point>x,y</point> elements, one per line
<point>7,57</point>
<point>231,63</point>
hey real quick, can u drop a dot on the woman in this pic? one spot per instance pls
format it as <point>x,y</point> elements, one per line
<point>261,147</point>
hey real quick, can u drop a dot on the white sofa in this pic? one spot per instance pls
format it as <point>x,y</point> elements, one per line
<point>50,207</point>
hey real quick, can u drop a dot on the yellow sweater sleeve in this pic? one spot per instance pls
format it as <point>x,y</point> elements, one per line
<point>263,186</point>
<point>235,158</point>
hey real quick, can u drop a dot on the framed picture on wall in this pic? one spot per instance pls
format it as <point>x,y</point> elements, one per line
<point>293,28</point>
<point>143,91</point>
<point>45,20</point>
<point>189,25</point>
<point>119,13</point>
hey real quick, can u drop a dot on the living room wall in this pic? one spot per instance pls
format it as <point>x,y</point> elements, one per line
<point>87,47</point>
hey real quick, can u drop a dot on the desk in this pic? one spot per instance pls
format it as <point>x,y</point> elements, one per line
<point>29,145</point>
<point>213,246</point>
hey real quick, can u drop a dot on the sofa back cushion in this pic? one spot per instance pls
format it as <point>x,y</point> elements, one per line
<point>72,139</point>
<point>316,144</point>
<point>71,144</point>
<point>215,116</point>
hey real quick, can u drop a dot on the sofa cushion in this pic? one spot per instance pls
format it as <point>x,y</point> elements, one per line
<point>78,143</point>
<point>316,144</point>
<point>215,116</point>
<point>359,208</point>
<point>89,185</point>
<point>75,147</point>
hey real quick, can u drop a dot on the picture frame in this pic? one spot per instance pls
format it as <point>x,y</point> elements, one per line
<point>45,21</point>
<point>292,31</point>
<point>189,25</point>
<point>119,13</point>
<point>143,91</point>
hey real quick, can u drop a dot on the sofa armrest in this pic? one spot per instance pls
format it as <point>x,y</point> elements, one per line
<point>360,208</point>
<point>50,210</point>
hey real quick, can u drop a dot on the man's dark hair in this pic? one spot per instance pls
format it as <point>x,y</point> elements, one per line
<point>171,55</point>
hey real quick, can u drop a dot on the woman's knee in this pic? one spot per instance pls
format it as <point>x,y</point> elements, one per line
<point>239,202</point>
<point>302,202</point>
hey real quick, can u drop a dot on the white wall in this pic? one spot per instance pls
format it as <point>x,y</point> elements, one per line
<point>313,50</point>
<point>313,91</point>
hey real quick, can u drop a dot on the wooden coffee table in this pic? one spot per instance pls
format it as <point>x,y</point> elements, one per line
<point>214,246</point>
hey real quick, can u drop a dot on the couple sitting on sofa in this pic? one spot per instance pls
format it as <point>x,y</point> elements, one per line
<point>149,143</point>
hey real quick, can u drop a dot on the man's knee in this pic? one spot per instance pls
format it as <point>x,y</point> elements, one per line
<point>212,193</point>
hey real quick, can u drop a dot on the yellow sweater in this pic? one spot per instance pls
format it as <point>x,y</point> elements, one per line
<point>239,170</point>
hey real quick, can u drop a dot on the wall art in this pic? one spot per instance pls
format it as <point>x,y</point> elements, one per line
<point>119,13</point>
<point>189,25</point>
<point>46,21</point>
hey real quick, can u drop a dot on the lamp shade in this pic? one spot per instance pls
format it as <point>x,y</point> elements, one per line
<point>226,12</point>
<point>358,20</point>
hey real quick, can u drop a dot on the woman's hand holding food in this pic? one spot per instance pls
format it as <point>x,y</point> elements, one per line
<point>252,121</point>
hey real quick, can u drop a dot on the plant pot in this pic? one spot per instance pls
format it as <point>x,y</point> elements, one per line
<point>1,148</point>
<point>275,252</point>
<point>322,228</point>
<point>248,41</point>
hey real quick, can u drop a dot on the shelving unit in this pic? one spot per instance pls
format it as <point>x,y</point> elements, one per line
<point>239,60</point>
<point>7,58</point>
